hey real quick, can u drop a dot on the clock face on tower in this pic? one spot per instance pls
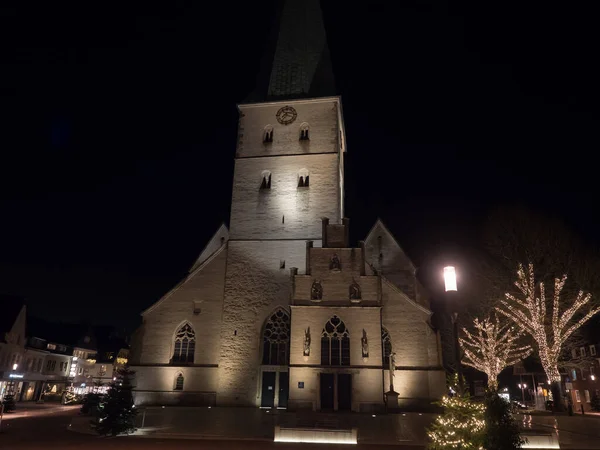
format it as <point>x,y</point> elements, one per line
<point>286,115</point>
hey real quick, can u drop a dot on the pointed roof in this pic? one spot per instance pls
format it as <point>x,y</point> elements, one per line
<point>215,243</point>
<point>379,223</point>
<point>297,62</point>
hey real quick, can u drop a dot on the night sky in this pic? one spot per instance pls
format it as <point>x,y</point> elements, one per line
<point>119,125</point>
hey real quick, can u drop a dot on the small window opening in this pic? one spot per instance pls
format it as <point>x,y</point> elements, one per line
<point>282,263</point>
<point>304,132</point>
<point>266,180</point>
<point>303,178</point>
<point>268,134</point>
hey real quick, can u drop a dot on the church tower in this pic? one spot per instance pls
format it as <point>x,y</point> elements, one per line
<point>288,176</point>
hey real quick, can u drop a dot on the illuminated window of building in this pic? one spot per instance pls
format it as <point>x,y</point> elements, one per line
<point>179,382</point>
<point>335,343</point>
<point>304,132</point>
<point>268,134</point>
<point>577,396</point>
<point>587,396</point>
<point>276,339</point>
<point>386,343</point>
<point>303,178</point>
<point>185,345</point>
<point>51,347</point>
<point>582,351</point>
<point>574,374</point>
<point>265,179</point>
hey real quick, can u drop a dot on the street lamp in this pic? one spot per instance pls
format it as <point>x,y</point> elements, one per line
<point>451,286</point>
<point>522,386</point>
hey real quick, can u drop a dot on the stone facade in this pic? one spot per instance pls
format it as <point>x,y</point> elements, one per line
<point>211,339</point>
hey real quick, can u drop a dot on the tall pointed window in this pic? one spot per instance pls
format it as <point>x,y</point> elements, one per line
<point>335,343</point>
<point>265,182</point>
<point>185,345</point>
<point>303,178</point>
<point>386,343</point>
<point>268,134</point>
<point>304,132</point>
<point>276,339</point>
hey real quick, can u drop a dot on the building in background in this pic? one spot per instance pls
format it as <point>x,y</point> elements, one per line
<point>581,379</point>
<point>40,360</point>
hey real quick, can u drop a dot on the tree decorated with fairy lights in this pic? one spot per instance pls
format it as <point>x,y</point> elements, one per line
<point>462,425</point>
<point>492,346</point>
<point>549,332</point>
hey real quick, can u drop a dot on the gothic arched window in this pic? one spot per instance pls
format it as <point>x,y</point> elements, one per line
<point>386,343</point>
<point>303,178</point>
<point>179,382</point>
<point>335,343</point>
<point>304,132</point>
<point>276,339</point>
<point>268,134</point>
<point>265,177</point>
<point>185,345</point>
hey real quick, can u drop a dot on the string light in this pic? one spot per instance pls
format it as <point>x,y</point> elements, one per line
<point>529,314</point>
<point>492,347</point>
<point>459,427</point>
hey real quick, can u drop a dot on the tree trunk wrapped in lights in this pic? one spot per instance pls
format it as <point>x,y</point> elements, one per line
<point>491,347</point>
<point>528,312</point>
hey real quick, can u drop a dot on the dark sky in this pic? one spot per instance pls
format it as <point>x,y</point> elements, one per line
<point>119,123</point>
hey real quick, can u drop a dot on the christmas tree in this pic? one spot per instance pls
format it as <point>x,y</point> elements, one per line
<point>116,412</point>
<point>9,403</point>
<point>462,425</point>
<point>502,431</point>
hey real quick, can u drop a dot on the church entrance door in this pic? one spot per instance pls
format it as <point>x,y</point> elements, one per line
<point>344,392</point>
<point>268,390</point>
<point>284,389</point>
<point>327,382</point>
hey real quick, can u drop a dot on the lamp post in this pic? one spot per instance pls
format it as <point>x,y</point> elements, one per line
<point>451,292</point>
<point>522,386</point>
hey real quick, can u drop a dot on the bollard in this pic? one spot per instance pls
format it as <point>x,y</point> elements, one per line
<point>582,411</point>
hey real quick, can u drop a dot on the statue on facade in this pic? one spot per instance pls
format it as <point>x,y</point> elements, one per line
<point>307,342</point>
<point>354,291</point>
<point>335,263</point>
<point>316,291</point>
<point>392,370</point>
<point>365,344</point>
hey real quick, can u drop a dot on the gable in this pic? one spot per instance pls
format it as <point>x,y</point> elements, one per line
<point>206,280</point>
<point>218,239</point>
<point>384,256</point>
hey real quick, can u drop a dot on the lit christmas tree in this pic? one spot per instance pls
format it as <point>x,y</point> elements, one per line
<point>116,412</point>
<point>491,347</point>
<point>528,312</point>
<point>462,425</point>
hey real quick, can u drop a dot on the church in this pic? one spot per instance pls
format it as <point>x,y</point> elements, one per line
<point>279,310</point>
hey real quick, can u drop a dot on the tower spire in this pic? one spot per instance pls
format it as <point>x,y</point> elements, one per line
<point>298,63</point>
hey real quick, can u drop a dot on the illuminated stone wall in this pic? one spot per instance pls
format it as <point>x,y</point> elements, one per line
<point>255,286</point>
<point>162,321</point>
<point>419,373</point>
<point>321,115</point>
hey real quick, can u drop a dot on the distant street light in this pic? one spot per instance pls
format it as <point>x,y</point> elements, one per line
<point>522,386</point>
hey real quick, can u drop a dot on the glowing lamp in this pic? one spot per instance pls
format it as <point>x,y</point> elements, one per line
<point>450,278</point>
